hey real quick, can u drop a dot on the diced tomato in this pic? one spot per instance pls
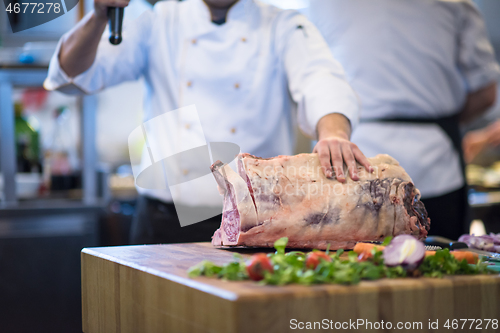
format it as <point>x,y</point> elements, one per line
<point>314,258</point>
<point>365,256</point>
<point>256,266</point>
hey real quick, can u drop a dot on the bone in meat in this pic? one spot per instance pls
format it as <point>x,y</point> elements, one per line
<point>289,196</point>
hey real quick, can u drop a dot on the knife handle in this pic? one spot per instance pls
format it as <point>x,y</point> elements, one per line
<point>115,20</point>
<point>445,243</point>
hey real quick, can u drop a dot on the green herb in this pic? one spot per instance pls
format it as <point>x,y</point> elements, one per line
<point>206,268</point>
<point>387,241</point>
<point>290,267</point>
<point>233,271</point>
<point>280,245</point>
<point>444,263</point>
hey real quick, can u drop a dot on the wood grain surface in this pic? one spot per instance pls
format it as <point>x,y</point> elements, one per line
<point>145,289</point>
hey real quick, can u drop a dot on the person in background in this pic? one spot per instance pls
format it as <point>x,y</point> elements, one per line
<point>477,141</point>
<point>421,68</point>
<point>481,142</point>
<point>245,65</point>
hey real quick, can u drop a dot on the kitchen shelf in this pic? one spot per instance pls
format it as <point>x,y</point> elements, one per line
<point>34,76</point>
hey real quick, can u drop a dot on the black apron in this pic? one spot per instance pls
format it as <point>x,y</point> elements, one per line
<point>449,125</point>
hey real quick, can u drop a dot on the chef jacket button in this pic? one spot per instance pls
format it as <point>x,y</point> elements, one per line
<point>189,83</point>
<point>185,172</point>
<point>243,39</point>
<point>193,41</point>
<point>187,126</point>
<point>233,130</point>
<point>236,86</point>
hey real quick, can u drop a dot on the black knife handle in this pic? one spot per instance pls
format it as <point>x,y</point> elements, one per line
<point>115,19</point>
<point>445,243</point>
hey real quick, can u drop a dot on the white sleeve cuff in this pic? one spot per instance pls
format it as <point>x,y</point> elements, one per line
<point>57,79</point>
<point>483,76</point>
<point>326,99</point>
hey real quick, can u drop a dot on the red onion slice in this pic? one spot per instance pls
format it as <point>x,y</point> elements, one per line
<point>404,250</point>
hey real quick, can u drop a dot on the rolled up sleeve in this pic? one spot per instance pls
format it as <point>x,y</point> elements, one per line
<point>316,80</point>
<point>113,64</point>
<point>476,54</point>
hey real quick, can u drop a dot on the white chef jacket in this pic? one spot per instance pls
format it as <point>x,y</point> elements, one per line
<point>245,76</point>
<point>410,58</point>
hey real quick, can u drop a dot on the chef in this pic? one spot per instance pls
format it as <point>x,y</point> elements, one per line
<point>248,67</point>
<point>420,68</point>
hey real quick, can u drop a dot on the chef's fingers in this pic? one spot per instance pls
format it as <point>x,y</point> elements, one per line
<point>112,3</point>
<point>119,3</point>
<point>337,161</point>
<point>349,160</point>
<point>361,158</point>
<point>323,152</point>
<point>494,139</point>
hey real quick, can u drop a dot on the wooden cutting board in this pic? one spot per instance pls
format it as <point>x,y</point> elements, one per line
<point>145,289</point>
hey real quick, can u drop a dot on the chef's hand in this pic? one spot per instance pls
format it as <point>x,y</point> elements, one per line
<point>493,131</point>
<point>334,148</point>
<point>474,142</point>
<point>101,7</point>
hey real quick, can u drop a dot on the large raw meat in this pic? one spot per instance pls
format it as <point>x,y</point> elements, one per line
<point>289,196</point>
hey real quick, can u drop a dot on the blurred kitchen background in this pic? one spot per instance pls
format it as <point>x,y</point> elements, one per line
<point>66,178</point>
